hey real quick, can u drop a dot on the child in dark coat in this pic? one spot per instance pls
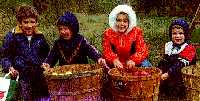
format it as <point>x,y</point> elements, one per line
<point>178,54</point>
<point>24,49</point>
<point>71,47</point>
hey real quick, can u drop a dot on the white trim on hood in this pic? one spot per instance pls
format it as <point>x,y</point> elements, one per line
<point>126,9</point>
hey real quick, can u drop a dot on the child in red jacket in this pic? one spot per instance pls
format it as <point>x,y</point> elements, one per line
<point>178,54</point>
<point>123,43</point>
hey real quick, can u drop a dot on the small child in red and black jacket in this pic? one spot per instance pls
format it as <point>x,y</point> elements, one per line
<point>178,54</point>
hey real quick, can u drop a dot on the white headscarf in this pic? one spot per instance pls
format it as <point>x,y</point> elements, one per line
<point>126,9</point>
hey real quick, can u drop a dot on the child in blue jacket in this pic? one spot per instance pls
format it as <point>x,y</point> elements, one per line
<point>24,49</point>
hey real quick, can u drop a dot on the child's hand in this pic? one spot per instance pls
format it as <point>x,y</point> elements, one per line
<point>117,64</point>
<point>164,76</point>
<point>130,64</point>
<point>46,67</point>
<point>101,61</point>
<point>13,72</point>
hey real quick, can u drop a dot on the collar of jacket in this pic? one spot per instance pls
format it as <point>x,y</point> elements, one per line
<point>18,30</point>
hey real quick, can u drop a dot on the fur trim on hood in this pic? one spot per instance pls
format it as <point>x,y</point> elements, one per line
<point>126,9</point>
<point>18,30</point>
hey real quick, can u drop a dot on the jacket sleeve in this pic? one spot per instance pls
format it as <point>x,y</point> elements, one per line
<point>188,54</point>
<point>8,52</point>
<point>108,53</point>
<point>53,56</point>
<point>141,48</point>
<point>175,68</point>
<point>44,49</point>
<point>90,50</point>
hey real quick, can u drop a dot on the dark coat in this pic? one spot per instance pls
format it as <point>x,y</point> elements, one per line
<point>20,53</point>
<point>26,57</point>
<point>68,47</point>
<point>72,51</point>
<point>172,64</point>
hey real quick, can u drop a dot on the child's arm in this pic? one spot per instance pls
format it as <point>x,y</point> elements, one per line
<point>53,56</point>
<point>108,53</point>
<point>181,60</point>
<point>90,50</point>
<point>170,66</point>
<point>188,54</point>
<point>141,48</point>
<point>8,52</point>
<point>175,68</point>
<point>44,49</point>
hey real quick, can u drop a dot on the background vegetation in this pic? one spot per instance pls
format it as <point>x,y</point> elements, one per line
<point>154,17</point>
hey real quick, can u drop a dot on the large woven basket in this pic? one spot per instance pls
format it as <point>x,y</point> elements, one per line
<point>77,82</point>
<point>129,87</point>
<point>191,78</point>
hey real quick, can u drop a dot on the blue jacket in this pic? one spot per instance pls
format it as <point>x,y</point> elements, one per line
<point>22,54</point>
<point>26,57</point>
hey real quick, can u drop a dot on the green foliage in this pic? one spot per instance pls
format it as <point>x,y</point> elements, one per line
<point>198,53</point>
<point>156,35</point>
<point>196,36</point>
<point>93,18</point>
<point>92,27</point>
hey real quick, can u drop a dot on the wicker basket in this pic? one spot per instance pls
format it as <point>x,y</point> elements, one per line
<point>129,87</point>
<point>191,78</point>
<point>75,82</point>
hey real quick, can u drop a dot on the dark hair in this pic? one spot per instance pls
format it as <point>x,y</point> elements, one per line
<point>177,23</point>
<point>26,11</point>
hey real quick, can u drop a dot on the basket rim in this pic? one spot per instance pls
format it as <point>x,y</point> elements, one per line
<point>75,74</point>
<point>184,69</point>
<point>136,78</point>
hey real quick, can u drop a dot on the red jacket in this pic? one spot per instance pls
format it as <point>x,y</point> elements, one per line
<point>117,45</point>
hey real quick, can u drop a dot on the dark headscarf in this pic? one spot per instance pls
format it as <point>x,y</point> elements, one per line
<point>69,19</point>
<point>181,22</point>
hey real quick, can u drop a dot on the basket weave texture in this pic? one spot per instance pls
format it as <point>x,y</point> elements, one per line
<point>83,82</point>
<point>191,78</point>
<point>129,87</point>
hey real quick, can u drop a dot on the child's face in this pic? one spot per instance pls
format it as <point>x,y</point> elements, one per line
<point>28,25</point>
<point>122,23</point>
<point>65,32</point>
<point>178,35</point>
